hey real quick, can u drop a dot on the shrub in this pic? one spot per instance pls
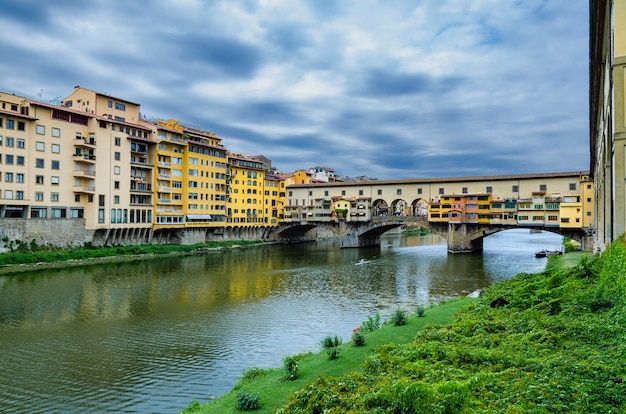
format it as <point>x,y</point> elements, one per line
<point>253,373</point>
<point>331,345</point>
<point>358,338</point>
<point>399,318</point>
<point>330,341</point>
<point>371,324</point>
<point>247,401</point>
<point>291,367</point>
<point>420,311</point>
<point>193,407</point>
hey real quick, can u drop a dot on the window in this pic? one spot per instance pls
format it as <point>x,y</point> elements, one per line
<point>572,186</point>
<point>77,198</point>
<point>489,189</point>
<point>56,212</point>
<point>343,192</point>
<point>9,142</point>
<point>19,178</point>
<point>326,193</point>
<point>419,191</point>
<point>118,141</point>
<point>41,130</point>
<point>10,124</point>
<point>21,143</point>
<point>116,199</point>
<point>54,180</point>
<point>8,159</point>
<point>39,163</point>
<point>19,195</point>
<point>39,179</point>
<point>399,191</point>
<point>54,197</point>
<point>20,160</point>
<point>543,187</point>
<point>55,164</point>
<point>360,192</point>
<point>464,190</point>
<point>118,156</point>
<point>8,194</point>
<point>56,132</point>
<point>515,189</point>
<point>310,193</point>
<point>40,146</point>
<point>56,148</point>
<point>116,185</point>
<point>441,190</point>
<point>110,104</point>
<point>120,107</point>
<point>8,177</point>
<point>101,215</point>
<point>101,200</point>
<point>116,170</point>
<point>21,126</point>
<point>38,212</point>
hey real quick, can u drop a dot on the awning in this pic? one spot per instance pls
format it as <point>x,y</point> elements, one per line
<point>203,217</point>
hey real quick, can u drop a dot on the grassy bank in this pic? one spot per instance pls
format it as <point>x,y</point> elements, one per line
<point>547,342</point>
<point>272,388</point>
<point>24,257</point>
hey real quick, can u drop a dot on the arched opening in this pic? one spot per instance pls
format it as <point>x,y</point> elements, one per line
<point>380,208</point>
<point>399,207</point>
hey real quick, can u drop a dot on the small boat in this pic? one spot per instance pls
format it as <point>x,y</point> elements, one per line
<point>362,261</point>
<point>546,253</point>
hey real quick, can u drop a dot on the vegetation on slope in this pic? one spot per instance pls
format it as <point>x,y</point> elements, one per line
<point>556,343</point>
<point>24,254</point>
<point>547,342</point>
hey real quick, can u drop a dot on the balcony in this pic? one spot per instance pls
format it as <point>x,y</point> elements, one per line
<point>86,158</point>
<point>88,189</point>
<point>83,172</point>
<point>141,188</point>
<point>82,142</point>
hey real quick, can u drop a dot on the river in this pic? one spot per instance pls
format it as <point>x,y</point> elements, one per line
<point>151,335</point>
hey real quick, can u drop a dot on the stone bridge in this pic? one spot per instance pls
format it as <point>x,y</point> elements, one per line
<point>460,237</point>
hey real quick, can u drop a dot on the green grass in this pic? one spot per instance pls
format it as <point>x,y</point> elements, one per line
<point>558,345</point>
<point>22,256</point>
<point>274,390</point>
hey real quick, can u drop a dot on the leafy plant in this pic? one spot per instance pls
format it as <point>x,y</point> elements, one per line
<point>331,345</point>
<point>399,318</point>
<point>247,401</point>
<point>290,364</point>
<point>371,324</point>
<point>358,338</point>
<point>330,341</point>
<point>420,311</point>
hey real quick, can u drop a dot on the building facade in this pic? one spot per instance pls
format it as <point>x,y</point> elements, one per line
<point>607,116</point>
<point>91,170</point>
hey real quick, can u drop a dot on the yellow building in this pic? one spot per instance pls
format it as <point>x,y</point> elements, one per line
<point>245,192</point>
<point>171,182</point>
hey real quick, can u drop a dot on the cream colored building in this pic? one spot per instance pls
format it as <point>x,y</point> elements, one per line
<point>607,112</point>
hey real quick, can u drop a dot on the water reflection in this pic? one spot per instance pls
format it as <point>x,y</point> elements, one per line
<point>150,335</point>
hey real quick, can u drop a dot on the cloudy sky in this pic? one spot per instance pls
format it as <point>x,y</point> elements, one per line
<point>384,88</point>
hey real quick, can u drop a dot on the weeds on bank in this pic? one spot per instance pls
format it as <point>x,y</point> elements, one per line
<point>557,345</point>
<point>22,253</point>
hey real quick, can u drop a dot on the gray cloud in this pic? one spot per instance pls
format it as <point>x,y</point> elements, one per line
<point>389,90</point>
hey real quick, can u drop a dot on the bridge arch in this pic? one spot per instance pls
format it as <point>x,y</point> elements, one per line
<point>399,207</point>
<point>380,207</point>
<point>419,208</point>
